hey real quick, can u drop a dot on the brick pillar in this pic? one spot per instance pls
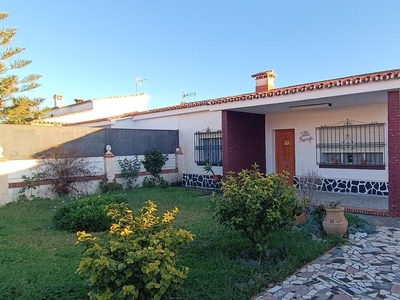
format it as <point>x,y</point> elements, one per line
<point>243,141</point>
<point>394,152</point>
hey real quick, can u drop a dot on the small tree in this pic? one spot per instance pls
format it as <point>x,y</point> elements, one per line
<point>256,204</point>
<point>153,162</point>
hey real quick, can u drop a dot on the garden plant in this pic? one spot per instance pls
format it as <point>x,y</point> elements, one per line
<point>153,162</point>
<point>40,262</point>
<point>257,204</point>
<point>137,257</point>
<point>130,168</point>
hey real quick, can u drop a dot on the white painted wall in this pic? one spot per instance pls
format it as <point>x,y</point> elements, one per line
<point>308,121</point>
<point>169,165</point>
<point>187,124</point>
<point>11,171</point>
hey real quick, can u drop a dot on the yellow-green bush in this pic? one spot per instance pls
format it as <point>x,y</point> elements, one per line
<point>137,257</point>
<point>256,204</point>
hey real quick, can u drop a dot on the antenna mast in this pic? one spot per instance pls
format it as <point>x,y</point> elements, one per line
<point>186,95</point>
<point>139,81</point>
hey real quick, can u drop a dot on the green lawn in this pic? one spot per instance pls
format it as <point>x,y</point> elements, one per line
<point>38,262</point>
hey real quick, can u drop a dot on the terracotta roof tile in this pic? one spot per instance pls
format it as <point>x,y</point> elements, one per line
<point>324,84</point>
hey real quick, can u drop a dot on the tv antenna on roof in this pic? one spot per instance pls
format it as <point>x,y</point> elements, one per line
<point>186,95</point>
<point>139,81</point>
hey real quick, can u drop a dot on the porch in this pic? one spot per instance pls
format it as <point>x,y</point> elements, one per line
<point>353,202</point>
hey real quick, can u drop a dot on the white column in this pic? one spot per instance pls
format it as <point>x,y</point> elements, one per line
<point>109,164</point>
<point>4,193</point>
<point>179,162</point>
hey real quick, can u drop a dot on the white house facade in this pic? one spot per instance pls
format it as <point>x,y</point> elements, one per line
<point>347,129</point>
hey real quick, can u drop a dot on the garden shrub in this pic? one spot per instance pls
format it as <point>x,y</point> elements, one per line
<point>130,171</point>
<point>155,182</point>
<point>256,204</point>
<point>137,257</point>
<point>88,214</point>
<point>112,186</point>
<point>153,162</point>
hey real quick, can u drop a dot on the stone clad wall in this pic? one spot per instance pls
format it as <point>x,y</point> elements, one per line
<point>352,186</point>
<point>200,181</point>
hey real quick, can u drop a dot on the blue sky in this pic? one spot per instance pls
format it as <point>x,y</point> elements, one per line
<point>96,48</point>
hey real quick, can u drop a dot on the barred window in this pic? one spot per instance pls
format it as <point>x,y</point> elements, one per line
<point>360,145</point>
<point>208,147</point>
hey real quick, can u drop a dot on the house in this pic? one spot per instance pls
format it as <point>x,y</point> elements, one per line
<point>83,110</point>
<point>347,129</point>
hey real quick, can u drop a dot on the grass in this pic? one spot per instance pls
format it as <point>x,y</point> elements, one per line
<point>39,262</point>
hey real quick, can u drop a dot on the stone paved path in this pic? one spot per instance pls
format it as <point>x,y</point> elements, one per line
<point>368,268</point>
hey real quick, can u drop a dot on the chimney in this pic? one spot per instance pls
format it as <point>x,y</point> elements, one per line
<point>264,81</point>
<point>58,100</point>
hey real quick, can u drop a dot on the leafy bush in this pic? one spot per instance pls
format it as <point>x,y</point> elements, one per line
<point>130,170</point>
<point>256,203</point>
<point>154,161</point>
<point>112,186</point>
<point>137,257</point>
<point>87,214</point>
<point>155,182</point>
<point>358,224</point>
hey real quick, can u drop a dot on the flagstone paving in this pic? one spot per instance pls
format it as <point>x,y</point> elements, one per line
<point>367,268</point>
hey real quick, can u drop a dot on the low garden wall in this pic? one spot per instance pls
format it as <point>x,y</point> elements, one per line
<point>102,168</point>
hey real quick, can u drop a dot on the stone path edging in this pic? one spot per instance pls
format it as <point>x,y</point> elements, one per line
<point>368,268</point>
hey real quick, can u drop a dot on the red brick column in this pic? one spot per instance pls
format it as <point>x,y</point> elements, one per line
<point>243,141</point>
<point>394,152</point>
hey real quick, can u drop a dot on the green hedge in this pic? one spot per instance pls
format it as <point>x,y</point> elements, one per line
<point>88,214</point>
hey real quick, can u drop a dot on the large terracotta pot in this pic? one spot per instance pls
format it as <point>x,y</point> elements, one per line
<point>335,221</point>
<point>301,220</point>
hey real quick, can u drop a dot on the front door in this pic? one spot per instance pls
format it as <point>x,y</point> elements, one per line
<point>284,152</point>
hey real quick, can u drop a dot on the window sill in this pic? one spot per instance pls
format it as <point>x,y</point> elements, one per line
<point>347,166</point>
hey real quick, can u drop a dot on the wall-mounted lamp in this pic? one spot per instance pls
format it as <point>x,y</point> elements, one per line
<point>310,106</point>
<point>178,150</point>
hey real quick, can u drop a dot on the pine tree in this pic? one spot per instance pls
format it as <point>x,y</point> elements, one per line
<point>13,109</point>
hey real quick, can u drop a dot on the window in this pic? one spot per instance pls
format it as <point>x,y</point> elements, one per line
<point>208,147</point>
<point>361,145</point>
